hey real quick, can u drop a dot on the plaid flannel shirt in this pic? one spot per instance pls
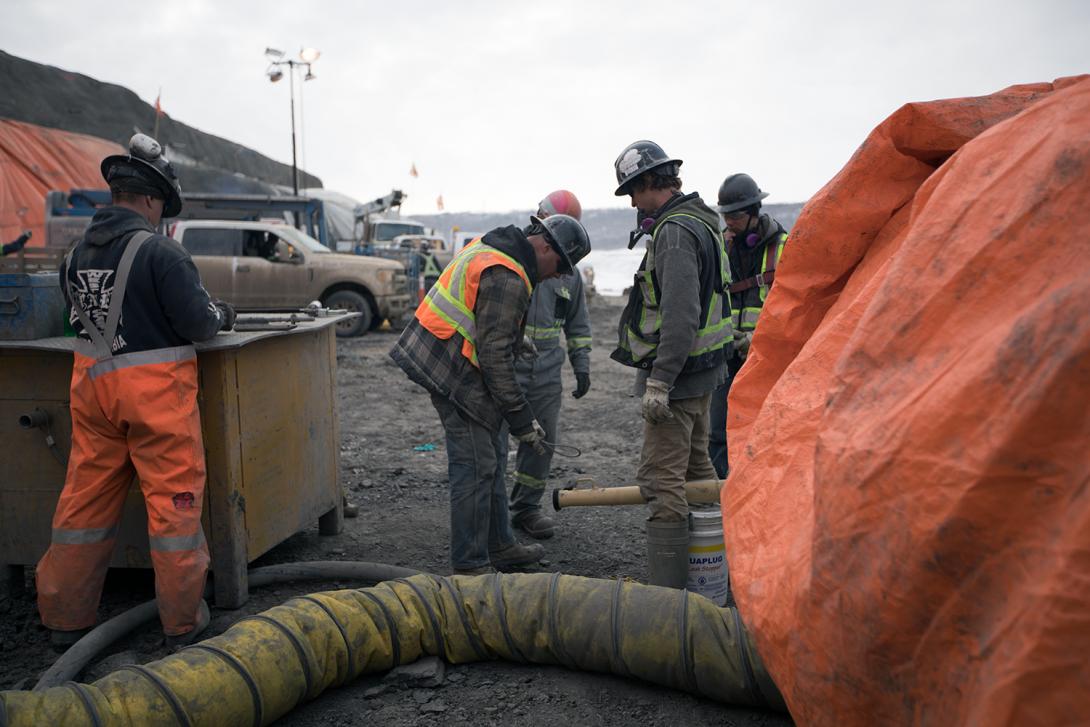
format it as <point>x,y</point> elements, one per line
<point>490,394</point>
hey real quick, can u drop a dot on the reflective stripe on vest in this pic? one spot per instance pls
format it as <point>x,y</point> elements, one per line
<point>642,341</point>
<point>746,318</point>
<point>448,307</point>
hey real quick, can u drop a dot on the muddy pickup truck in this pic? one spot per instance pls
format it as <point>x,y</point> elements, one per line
<point>262,265</point>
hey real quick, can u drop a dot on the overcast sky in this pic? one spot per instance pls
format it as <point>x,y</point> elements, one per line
<point>498,103</point>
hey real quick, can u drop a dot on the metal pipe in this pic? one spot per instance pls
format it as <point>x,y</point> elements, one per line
<point>35,419</point>
<point>697,492</point>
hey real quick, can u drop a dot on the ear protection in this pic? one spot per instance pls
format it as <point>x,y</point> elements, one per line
<point>646,225</point>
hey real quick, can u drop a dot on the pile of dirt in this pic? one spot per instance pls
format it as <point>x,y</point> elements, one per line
<point>47,96</point>
<point>404,520</point>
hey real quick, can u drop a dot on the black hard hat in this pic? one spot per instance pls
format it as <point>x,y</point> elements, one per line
<point>566,235</point>
<point>737,192</point>
<point>144,170</point>
<point>637,158</point>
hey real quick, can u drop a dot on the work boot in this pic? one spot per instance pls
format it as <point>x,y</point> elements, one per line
<point>516,554</point>
<point>203,617</point>
<point>62,641</point>
<point>668,553</point>
<point>535,524</point>
<point>481,571</point>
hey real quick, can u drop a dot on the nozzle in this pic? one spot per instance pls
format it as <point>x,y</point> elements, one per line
<point>35,419</point>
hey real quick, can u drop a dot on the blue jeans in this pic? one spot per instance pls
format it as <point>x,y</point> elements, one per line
<point>476,460</point>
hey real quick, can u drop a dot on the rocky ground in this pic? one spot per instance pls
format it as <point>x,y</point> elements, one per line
<point>399,483</point>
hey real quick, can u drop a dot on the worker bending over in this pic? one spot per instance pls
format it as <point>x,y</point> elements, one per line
<point>674,330</point>
<point>558,304</point>
<point>461,347</point>
<point>136,304</point>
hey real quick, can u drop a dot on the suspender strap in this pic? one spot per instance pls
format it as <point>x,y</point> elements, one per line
<point>757,281</point>
<point>761,280</point>
<point>101,348</point>
<point>103,339</point>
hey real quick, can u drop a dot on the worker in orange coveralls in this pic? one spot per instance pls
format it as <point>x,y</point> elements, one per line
<point>137,305</point>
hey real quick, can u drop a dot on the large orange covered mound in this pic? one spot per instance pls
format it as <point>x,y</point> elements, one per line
<point>35,160</point>
<point>908,508</point>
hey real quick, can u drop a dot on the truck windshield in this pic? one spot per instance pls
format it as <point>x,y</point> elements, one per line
<point>304,240</point>
<point>387,231</point>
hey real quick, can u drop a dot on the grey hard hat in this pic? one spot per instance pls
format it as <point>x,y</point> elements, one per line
<point>566,235</point>
<point>637,158</point>
<point>737,192</point>
<point>144,170</point>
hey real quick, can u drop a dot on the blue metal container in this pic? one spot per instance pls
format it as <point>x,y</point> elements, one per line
<point>31,306</point>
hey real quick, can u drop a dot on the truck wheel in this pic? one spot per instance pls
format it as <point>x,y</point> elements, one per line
<point>350,300</point>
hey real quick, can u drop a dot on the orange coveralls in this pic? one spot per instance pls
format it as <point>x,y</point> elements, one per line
<point>132,414</point>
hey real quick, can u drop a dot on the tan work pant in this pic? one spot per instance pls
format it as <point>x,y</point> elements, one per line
<point>674,452</point>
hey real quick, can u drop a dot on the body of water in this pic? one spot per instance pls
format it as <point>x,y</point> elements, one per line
<point>613,269</point>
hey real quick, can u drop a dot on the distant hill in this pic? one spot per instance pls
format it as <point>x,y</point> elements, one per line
<point>608,228</point>
<point>47,96</point>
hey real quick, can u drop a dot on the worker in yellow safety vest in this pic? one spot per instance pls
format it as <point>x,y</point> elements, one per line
<point>675,330</point>
<point>755,245</point>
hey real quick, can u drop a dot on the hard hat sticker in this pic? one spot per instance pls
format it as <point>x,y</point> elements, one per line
<point>630,162</point>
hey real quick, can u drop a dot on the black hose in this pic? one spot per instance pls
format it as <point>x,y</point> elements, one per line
<point>84,651</point>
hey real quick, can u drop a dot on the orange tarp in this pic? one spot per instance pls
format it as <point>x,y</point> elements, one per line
<point>908,510</point>
<point>35,160</point>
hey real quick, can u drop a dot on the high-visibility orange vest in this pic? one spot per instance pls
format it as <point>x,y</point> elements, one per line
<point>448,308</point>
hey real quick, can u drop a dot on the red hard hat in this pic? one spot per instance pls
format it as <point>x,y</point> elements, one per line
<point>560,202</point>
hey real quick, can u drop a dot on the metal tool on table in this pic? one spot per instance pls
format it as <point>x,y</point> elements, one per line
<point>281,319</point>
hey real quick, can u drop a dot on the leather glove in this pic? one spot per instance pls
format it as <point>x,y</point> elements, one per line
<point>527,349</point>
<point>227,313</point>
<point>535,437</point>
<point>656,402</point>
<point>582,385</point>
<point>741,343</point>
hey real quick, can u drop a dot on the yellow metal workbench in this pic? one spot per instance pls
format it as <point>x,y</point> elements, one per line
<point>272,445</point>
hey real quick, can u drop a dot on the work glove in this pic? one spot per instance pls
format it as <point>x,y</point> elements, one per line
<point>527,349</point>
<point>227,314</point>
<point>582,384</point>
<point>535,437</point>
<point>741,344</point>
<point>656,402</point>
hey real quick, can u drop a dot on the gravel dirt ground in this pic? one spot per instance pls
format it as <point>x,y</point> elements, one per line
<point>404,520</point>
